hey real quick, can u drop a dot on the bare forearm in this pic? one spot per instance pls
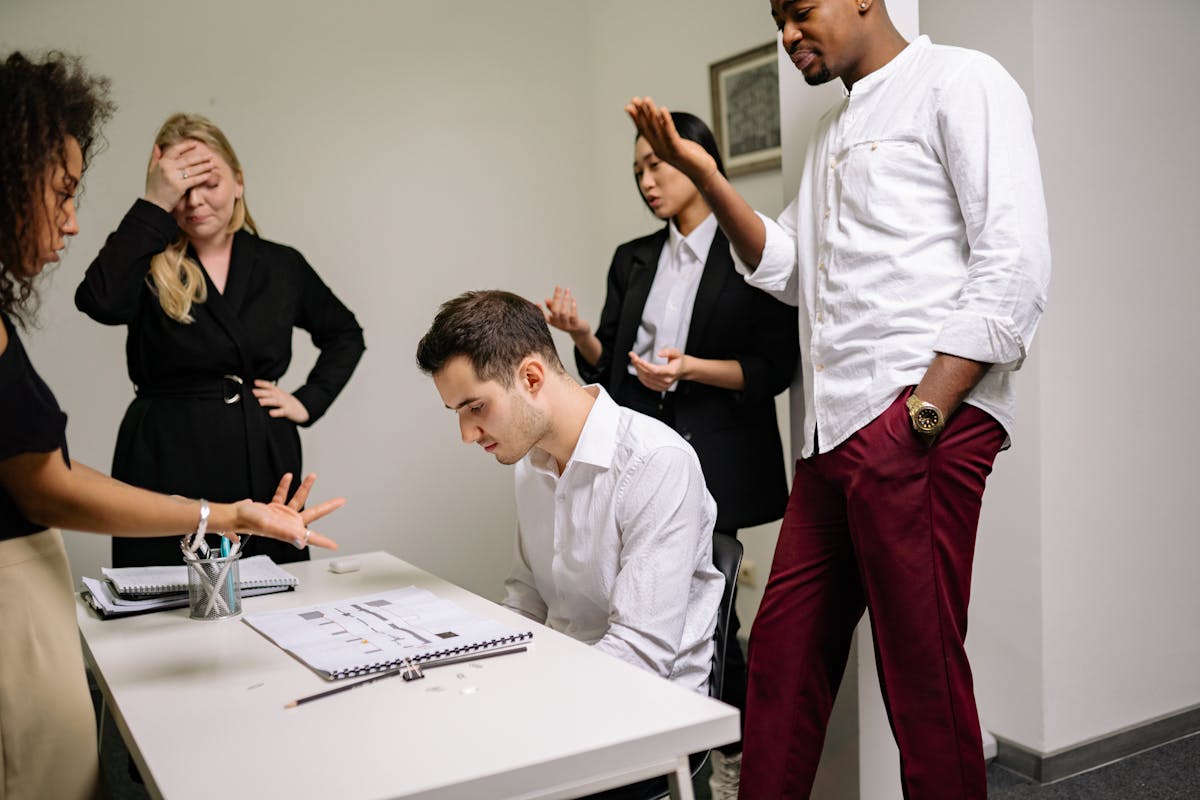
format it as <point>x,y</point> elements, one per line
<point>949,380</point>
<point>743,228</point>
<point>83,499</point>
<point>723,373</point>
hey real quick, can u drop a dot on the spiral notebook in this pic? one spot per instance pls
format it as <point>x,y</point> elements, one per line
<point>256,572</point>
<point>376,632</point>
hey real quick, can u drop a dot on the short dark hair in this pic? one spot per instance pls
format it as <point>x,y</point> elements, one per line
<point>494,329</point>
<point>693,129</point>
<point>42,102</point>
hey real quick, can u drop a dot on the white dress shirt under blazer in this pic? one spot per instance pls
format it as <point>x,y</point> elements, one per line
<point>919,228</point>
<point>617,551</point>
<point>667,315</point>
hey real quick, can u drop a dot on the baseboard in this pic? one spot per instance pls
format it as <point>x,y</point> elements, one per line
<point>1097,752</point>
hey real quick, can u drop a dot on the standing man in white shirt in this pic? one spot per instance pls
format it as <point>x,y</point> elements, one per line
<point>917,253</point>
<point>614,542</point>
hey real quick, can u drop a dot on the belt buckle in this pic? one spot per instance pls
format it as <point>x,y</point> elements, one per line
<point>237,395</point>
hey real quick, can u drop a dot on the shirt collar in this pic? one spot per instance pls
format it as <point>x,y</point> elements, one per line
<point>698,241</point>
<point>868,83</point>
<point>597,443</point>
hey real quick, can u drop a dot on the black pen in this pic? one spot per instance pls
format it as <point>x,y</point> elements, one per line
<point>409,667</point>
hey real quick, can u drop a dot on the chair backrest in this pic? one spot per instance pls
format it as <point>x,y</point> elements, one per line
<point>727,558</point>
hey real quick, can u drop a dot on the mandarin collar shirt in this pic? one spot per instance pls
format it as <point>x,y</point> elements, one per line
<point>667,315</point>
<point>919,228</point>
<point>617,550</point>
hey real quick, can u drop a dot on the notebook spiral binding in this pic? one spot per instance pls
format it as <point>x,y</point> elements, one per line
<point>381,666</point>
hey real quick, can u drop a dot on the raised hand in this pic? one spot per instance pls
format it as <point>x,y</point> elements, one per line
<point>280,403</point>
<point>660,377</point>
<point>562,312</point>
<point>655,125</point>
<point>172,172</point>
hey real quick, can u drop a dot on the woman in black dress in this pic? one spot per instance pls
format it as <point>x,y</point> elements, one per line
<point>52,111</point>
<point>684,339</point>
<point>210,309</point>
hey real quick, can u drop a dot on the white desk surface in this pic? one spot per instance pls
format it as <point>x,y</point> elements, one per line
<point>201,705</point>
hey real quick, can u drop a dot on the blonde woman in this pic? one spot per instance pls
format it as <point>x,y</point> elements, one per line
<point>210,309</point>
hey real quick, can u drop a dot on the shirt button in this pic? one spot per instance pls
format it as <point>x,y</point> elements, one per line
<point>827,213</point>
<point>833,163</point>
<point>819,368</point>
<point>821,267</point>
<point>820,317</point>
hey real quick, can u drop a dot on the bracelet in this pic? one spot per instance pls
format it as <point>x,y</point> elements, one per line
<point>202,525</point>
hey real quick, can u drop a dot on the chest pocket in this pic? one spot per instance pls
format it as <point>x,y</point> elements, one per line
<point>880,183</point>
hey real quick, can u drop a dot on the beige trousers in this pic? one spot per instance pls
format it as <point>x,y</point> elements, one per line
<point>47,726</point>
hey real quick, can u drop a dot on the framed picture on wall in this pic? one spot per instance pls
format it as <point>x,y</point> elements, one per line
<point>745,109</point>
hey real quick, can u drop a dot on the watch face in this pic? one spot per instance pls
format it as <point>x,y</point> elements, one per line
<point>926,419</point>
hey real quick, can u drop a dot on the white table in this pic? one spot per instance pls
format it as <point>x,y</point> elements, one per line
<point>201,706</point>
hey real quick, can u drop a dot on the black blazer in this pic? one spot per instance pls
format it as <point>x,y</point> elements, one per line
<point>735,434</point>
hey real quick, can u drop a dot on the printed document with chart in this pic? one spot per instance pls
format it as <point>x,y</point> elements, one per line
<point>376,632</point>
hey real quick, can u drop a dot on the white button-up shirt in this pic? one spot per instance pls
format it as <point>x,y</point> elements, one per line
<point>617,551</point>
<point>919,228</point>
<point>667,315</point>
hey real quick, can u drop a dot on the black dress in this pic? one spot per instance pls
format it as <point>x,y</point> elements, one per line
<point>195,428</point>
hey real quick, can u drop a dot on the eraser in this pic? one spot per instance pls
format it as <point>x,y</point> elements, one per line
<point>343,565</point>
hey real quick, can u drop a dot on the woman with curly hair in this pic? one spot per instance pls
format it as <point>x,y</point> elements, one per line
<point>52,111</point>
<point>210,308</point>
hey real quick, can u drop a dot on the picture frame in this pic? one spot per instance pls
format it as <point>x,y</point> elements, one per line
<point>745,109</point>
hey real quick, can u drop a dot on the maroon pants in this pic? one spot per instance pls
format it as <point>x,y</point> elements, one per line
<point>885,523</point>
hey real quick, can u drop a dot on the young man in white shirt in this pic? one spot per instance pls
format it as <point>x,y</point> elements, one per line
<point>614,540</point>
<point>917,254</point>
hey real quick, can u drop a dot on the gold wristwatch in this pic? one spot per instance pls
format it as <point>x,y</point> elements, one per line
<point>927,419</point>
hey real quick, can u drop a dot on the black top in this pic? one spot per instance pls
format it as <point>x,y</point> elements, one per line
<point>180,435</point>
<point>32,423</point>
<point>734,433</point>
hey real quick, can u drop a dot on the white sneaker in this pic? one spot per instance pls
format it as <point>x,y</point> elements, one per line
<point>726,775</point>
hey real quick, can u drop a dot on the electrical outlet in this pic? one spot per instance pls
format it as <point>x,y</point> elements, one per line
<point>748,574</point>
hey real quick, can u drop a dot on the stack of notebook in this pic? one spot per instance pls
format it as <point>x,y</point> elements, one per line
<point>138,590</point>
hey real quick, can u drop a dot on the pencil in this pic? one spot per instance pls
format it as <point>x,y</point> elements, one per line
<point>391,673</point>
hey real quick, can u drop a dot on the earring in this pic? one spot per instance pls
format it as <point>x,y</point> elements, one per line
<point>862,6</point>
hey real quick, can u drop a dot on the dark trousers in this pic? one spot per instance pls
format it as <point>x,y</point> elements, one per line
<point>885,523</point>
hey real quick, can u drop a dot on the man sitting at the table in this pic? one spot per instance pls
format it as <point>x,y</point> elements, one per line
<point>614,540</point>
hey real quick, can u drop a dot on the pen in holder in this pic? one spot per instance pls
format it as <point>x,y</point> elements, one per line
<point>214,586</point>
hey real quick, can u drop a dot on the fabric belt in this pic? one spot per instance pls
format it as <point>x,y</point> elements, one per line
<point>228,388</point>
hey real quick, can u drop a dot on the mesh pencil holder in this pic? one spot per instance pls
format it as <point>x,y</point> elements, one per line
<point>214,587</point>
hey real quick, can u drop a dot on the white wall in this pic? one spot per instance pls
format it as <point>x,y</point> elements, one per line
<point>1084,608</point>
<point>411,151</point>
<point>1117,123</point>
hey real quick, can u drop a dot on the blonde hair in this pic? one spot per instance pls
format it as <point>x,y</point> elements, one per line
<point>177,279</point>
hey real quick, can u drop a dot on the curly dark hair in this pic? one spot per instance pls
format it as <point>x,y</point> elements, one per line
<point>42,102</point>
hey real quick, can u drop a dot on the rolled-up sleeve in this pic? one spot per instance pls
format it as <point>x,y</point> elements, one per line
<point>776,270</point>
<point>986,130</point>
